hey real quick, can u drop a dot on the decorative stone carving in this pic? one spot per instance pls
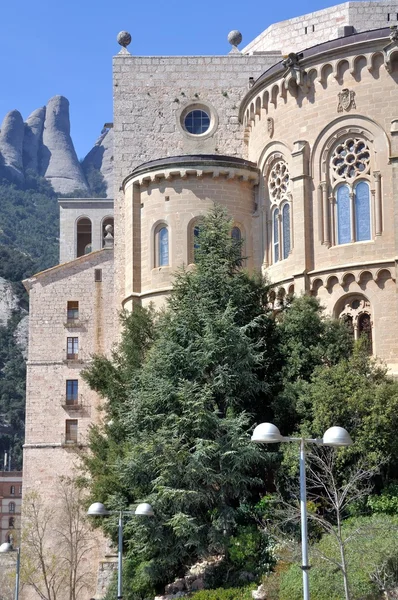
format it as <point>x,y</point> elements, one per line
<point>279,181</point>
<point>294,73</point>
<point>235,38</point>
<point>346,100</point>
<point>270,126</point>
<point>123,38</point>
<point>391,48</point>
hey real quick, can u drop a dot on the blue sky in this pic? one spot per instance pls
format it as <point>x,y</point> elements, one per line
<point>50,47</point>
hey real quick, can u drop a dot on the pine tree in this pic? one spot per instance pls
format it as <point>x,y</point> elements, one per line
<point>184,392</point>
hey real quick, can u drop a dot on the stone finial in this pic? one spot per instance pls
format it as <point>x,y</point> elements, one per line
<point>124,38</point>
<point>108,239</point>
<point>234,38</point>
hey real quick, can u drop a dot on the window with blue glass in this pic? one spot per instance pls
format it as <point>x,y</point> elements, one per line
<point>161,246</point>
<point>197,122</point>
<point>280,197</point>
<point>275,220</point>
<point>350,163</point>
<point>72,391</point>
<point>286,230</point>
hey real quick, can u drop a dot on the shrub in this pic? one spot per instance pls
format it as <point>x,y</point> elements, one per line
<point>225,594</point>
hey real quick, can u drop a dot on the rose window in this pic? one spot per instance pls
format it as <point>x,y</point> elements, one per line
<point>278,182</point>
<point>350,159</point>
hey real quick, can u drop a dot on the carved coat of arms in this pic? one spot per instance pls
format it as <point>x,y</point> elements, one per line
<point>346,100</point>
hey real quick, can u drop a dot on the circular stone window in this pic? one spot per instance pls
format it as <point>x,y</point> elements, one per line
<point>197,122</point>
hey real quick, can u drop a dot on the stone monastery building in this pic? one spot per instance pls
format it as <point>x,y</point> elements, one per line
<point>296,135</point>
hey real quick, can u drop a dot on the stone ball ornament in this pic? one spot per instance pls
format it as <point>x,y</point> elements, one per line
<point>235,37</point>
<point>124,38</point>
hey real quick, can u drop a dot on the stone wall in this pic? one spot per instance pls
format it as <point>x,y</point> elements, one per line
<point>294,35</point>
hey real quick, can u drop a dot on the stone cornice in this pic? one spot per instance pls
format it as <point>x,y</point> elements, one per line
<point>181,167</point>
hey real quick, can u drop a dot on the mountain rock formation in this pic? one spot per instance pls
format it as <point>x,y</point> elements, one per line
<point>43,144</point>
<point>100,158</point>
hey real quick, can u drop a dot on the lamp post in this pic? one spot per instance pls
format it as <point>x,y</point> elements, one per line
<point>98,510</point>
<point>267,433</point>
<point>5,548</point>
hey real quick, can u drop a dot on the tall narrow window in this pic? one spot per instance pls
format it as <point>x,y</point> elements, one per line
<point>72,351</point>
<point>236,234</point>
<point>286,230</point>
<point>71,430</point>
<point>276,234</point>
<point>193,239</point>
<point>72,388</point>
<point>343,215</point>
<point>279,195</point>
<point>83,235</point>
<point>365,330</point>
<point>72,311</point>
<point>11,507</point>
<point>11,522</point>
<point>349,174</point>
<point>362,211</point>
<point>161,246</point>
<point>12,490</point>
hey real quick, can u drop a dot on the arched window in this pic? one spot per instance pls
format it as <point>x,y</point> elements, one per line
<point>83,235</point>
<point>349,173</point>
<point>275,233</point>
<point>161,246</point>
<point>278,190</point>
<point>193,239</point>
<point>355,312</point>
<point>11,507</point>
<point>236,234</point>
<point>105,222</point>
<point>286,230</point>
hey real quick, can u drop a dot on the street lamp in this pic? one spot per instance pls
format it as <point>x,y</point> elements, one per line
<point>267,433</point>
<point>5,548</point>
<point>98,510</point>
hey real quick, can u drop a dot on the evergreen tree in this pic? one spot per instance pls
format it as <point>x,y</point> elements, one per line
<point>183,395</point>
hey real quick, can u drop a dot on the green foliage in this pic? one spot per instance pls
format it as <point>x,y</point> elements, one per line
<point>386,502</point>
<point>225,594</point>
<point>182,407</point>
<point>372,563</point>
<point>365,402</point>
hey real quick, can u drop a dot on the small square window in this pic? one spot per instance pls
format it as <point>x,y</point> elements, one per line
<point>72,311</point>
<point>72,388</point>
<point>71,430</point>
<point>72,351</point>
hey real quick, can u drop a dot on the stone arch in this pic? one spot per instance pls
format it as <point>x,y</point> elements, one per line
<point>331,282</point>
<point>108,220</point>
<point>316,285</point>
<point>346,280</point>
<point>258,106</point>
<point>355,309</point>
<point>342,67</point>
<point>84,235</point>
<point>344,125</point>
<point>359,64</point>
<point>326,72</point>
<point>290,289</point>
<point>376,61</point>
<point>364,278</point>
<point>266,100</point>
<point>274,95</point>
<point>252,111</point>
<point>382,276</point>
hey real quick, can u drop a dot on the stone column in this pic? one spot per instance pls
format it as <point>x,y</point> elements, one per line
<point>352,211</point>
<point>378,203</point>
<point>302,208</point>
<point>325,213</point>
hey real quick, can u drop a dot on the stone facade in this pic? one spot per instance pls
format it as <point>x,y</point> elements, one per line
<point>302,151</point>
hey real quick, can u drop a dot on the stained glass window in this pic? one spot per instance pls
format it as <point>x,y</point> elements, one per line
<point>276,234</point>
<point>362,211</point>
<point>343,215</point>
<point>286,230</point>
<point>163,247</point>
